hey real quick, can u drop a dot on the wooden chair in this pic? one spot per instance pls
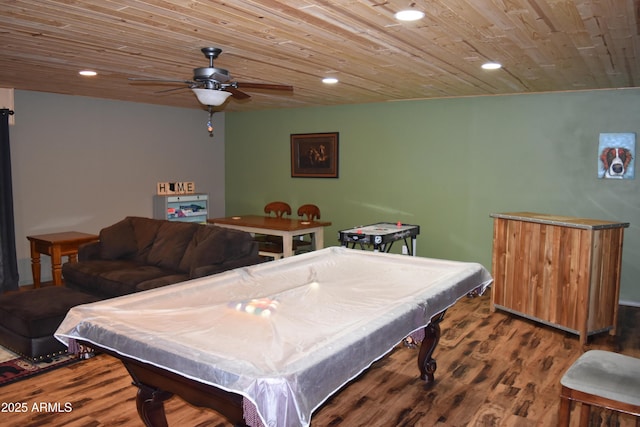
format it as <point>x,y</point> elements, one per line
<point>271,246</point>
<point>601,378</point>
<point>279,209</point>
<point>310,212</point>
<point>307,212</point>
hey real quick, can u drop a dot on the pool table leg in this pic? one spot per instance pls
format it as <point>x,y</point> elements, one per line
<point>426,363</point>
<point>150,404</point>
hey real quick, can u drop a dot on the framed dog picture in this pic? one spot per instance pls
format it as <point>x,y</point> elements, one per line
<point>314,155</point>
<point>616,155</point>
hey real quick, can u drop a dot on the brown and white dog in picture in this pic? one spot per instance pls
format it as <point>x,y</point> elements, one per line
<point>615,161</point>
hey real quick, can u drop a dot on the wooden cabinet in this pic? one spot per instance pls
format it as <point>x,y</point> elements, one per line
<point>561,271</point>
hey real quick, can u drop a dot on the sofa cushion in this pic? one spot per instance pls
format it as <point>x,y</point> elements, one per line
<point>117,240</point>
<point>238,244</point>
<point>161,281</point>
<point>110,278</point>
<point>207,247</point>
<point>208,270</point>
<point>145,230</point>
<point>171,243</point>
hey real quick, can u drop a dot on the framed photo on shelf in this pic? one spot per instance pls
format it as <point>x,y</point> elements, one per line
<point>314,155</point>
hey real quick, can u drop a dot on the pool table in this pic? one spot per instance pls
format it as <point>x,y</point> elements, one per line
<point>268,344</point>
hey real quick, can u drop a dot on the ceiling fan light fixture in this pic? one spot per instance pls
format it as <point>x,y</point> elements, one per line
<point>211,97</point>
<point>409,15</point>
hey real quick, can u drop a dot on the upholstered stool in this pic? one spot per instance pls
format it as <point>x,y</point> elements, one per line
<point>601,378</point>
<point>28,319</point>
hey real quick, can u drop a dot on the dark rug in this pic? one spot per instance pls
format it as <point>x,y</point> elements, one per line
<point>14,367</point>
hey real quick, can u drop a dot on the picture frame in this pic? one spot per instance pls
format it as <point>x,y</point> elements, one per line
<point>314,155</point>
<point>616,155</point>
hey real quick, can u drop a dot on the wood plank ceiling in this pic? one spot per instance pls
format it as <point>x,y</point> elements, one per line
<point>544,45</point>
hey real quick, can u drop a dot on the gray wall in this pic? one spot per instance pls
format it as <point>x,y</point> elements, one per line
<point>82,163</point>
<point>446,164</point>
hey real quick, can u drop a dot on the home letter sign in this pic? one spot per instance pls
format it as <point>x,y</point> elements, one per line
<point>168,188</point>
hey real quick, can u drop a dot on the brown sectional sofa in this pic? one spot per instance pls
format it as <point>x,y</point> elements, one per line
<point>138,254</point>
<point>132,255</point>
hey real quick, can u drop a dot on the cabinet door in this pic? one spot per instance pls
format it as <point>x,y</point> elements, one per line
<point>542,271</point>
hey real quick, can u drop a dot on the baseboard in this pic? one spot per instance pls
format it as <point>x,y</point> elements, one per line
<point>629,303</point>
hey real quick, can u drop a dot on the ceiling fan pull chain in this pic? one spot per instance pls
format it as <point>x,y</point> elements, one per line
<point>209,124</point>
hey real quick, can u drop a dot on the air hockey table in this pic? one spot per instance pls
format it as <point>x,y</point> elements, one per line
<point>268,344</point>
<point>380,236</point>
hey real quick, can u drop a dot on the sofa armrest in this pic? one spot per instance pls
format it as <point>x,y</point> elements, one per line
<point>89,251</point>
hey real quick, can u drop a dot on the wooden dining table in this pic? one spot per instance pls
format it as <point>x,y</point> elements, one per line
<point>287,228</point>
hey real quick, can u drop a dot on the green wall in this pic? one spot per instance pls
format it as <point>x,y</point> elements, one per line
<point>445,165</point>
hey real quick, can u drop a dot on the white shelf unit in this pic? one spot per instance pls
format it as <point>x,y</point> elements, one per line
<point>183,207</point>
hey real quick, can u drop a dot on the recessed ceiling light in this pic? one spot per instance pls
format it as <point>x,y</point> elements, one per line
<point>330,80</point>
<point>409,15</point>
<point>491,66</point>
<point>87,73</point>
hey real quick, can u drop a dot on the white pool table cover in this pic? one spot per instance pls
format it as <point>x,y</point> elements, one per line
<point>338,310</point>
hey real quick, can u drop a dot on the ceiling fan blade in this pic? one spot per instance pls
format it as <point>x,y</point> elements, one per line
<point>150,79</point>
<point>171,90</point>
<point>245,85</point>
<point>238,94</point>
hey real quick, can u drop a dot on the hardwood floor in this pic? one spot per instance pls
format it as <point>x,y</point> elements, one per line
<point>494,369</point>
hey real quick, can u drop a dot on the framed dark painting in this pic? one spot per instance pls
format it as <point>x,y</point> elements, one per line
<point>314,155</point>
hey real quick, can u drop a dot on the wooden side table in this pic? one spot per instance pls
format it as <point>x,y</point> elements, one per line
<point>56,245</point>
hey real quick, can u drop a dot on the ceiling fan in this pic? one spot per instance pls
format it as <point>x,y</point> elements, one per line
<point>212,86</point>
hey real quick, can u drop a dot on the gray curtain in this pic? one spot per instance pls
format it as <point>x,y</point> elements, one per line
<point>8,259</point>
